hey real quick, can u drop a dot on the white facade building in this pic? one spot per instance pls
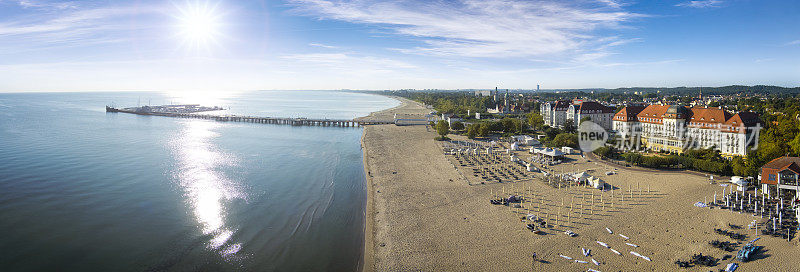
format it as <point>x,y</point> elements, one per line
<point>676,128</point>
<point>556,114</point>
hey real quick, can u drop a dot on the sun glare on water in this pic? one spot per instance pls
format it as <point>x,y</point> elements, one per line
<point>199,24</point>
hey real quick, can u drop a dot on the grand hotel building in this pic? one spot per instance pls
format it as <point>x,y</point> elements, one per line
<point>675,128</point>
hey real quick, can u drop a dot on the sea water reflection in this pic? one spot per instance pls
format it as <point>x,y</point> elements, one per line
<point>207,190</point>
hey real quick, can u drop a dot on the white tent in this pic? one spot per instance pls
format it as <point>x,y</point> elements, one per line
<point>525,140</point>
<point>597,183</point>
<point>582,176</point>
<point>739,181</point>
<point>550,152</point>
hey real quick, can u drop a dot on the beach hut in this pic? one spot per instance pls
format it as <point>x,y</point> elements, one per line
<point>567,150</point>
<point>597,183</point>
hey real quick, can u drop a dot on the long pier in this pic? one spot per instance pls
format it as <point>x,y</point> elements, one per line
<point>264,120</point>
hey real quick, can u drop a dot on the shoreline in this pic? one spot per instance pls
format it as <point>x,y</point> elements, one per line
<point>367,262</point>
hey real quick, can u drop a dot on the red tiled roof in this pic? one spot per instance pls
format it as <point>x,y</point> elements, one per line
<point>739,122</point>
<point>628,114</point>
<point>652,114</point>
<point>702,117</point>
<point>792,163</point>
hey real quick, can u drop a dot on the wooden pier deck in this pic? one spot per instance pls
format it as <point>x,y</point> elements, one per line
<point>267,120</point>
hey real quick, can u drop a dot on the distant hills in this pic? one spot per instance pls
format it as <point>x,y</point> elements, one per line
<point>724,90</point>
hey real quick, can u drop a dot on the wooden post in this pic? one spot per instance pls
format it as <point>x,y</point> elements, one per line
<point>602,203</point>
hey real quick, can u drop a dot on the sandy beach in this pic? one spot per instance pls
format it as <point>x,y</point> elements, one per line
<point>422,214</point>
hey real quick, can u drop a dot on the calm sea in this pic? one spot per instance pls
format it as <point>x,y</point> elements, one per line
<point>86,190</point>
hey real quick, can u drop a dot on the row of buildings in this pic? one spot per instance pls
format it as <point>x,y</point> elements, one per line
<point>557,114</point>
<point>669,128</point>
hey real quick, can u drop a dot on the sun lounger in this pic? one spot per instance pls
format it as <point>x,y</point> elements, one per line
<point>592,270</point>
<point>631,245</point>
<point>579,261</point>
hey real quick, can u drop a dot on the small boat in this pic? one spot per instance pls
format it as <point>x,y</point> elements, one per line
<point>603,244</point>
<point>570,233</point>
<point>579,261</point>
<point>609,231</point>
<point>595,262</point>
<point>566,257</point>
<point>623,236</point>
<point>615,251</point>
<point>631,245</point>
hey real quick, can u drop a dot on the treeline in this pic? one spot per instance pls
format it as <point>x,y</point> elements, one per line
<point>706,160</point>
<point>506,126</point>
<point>724,90</point>
<point>451,102</point>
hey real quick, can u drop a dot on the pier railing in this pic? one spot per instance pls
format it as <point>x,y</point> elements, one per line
<point>268,120</point>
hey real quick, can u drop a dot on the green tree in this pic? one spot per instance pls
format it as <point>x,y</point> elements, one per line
<point>584,119</point>
<point>457,126</point>
<point>565,139</point>
<point>443,128</point>
<point>739,167</point>
<point>535,120</point>
<point>569,126</point>
<point>794,145</point>
<point>472,131</point>
<point>508,124</point>
<point>606,152</point>
<point>484,129</point>
<point>551,133</point>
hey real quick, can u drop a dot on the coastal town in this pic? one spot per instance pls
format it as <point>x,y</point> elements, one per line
<point>677,184</point>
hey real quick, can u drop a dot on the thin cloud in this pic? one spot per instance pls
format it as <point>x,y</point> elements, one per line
<point>482,28</point>
<point>795,42</point>
<point>322,45</point>
<point>46,4</point>
<point>701,4</point>
<point>69,27</point>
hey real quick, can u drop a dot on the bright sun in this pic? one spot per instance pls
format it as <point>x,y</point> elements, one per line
<point>199,24</point>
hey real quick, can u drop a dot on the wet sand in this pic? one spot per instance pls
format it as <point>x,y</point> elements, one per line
<point>423,216</point>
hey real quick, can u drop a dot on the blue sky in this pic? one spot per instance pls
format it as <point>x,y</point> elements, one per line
<point>366,44</point>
